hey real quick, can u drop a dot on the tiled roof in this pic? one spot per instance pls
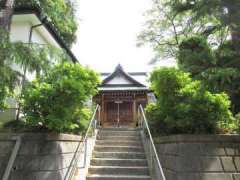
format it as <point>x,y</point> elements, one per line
<point>121,80</point>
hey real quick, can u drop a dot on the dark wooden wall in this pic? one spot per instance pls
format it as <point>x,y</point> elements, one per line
<point>127,107</point>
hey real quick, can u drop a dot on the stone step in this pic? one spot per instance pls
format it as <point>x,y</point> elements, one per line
<point>118,148</point>
<point>117,177</point>
<point>118,143</point>
<point>120,155</point>
<point>119,133</point>
<point>127,138</point>
<point>118,162</point>
<point>118,170</point>
<point>119,129</point>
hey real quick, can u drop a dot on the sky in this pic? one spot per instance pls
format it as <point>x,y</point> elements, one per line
<point>107,35</point>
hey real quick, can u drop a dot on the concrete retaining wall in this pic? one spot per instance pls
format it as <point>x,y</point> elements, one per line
<point>41,156</point>
<point>203,157</point>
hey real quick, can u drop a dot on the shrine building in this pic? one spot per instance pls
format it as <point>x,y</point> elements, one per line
<point>120,95</point>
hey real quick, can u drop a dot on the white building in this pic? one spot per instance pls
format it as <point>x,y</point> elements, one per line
<point>27,25</point>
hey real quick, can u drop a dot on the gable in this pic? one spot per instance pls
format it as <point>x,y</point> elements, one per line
<point>120,78</point>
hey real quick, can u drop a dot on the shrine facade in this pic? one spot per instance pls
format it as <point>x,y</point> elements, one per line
<point>120,95</point>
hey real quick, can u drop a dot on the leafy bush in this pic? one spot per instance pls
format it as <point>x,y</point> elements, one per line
<point>57,100</point>
<point>237,117</point>
<point>29,58</point>
<point>184,106</point>
<point>217,69</point>
<point>225,80</point>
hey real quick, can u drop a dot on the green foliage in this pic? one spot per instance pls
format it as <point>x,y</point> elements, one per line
<point>222,80</point>
<point>195,55</point>
<point>171,21</point>
<point>218,13</point>
<point>227,56</point>
<point>204,36</point>
<point>218,70</point>
<point>172,80</point>
<point>31,57</point>
<point>184,106</point>
<point>57,100</point>
<point>17,59</point>
<point>8,77</point>
<point>35,58</point>
<point>61,13</point>
<point>164,30</point>
<point>237,117</point>
<point>3,95</point>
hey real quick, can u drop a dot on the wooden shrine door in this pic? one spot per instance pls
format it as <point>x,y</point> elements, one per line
<point>111,114</point>
<point>119,113</point>
<point>126,114</point>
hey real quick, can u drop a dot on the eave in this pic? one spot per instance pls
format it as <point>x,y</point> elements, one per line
<point>119,70</point>
<point>49,26</point>
<point>111,89</point>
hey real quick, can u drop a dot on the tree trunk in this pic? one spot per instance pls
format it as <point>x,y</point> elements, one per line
<point>7,11</point>
<point>234,21</point>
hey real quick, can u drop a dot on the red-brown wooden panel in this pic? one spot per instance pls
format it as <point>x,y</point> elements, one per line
<point>111,113</point>
<point>124,114</point>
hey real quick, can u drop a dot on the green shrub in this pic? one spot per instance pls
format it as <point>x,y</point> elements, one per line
<point>57,100</point>
<point>195,55</point>
<point>218,69</point>
<point>184,106</point>
<point>237,117</point>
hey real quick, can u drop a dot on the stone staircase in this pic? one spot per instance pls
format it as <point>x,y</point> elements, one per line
<point>118,155</point>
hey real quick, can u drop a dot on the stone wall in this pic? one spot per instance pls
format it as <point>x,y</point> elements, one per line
<point>203,157</point>
<point>6,146</point>
<point>40,157</point>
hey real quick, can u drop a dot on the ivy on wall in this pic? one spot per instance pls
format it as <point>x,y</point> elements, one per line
<point>60,12</point>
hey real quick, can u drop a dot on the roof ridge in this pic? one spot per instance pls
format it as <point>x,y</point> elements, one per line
<point>119,70</point>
